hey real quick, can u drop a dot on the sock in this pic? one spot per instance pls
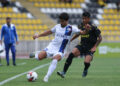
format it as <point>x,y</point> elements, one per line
<point>52,67</point>
<point>36,55</point>
<point>68,62</point>
<point>87,65</point>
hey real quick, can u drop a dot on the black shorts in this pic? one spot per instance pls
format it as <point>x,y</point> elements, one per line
<point>84,50</point>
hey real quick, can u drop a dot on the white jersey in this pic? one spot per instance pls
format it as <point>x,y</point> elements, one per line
<point>62,37</point>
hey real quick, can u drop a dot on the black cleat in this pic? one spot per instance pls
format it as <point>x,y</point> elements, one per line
<point>85,72</point>
<point>8,64</point>
<point>14,64</point>
<point>32,55</point>
<point>62,74</point>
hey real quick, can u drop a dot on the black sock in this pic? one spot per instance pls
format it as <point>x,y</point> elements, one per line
<point>87,65</point>
<point>68,62</point>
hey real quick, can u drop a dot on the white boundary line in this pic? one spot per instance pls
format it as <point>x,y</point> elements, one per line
<point>16,76</point>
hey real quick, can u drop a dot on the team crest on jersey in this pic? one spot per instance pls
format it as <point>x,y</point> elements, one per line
<point>68,30</point>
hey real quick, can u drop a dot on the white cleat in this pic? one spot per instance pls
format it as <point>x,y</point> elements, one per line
<point>45,79</point>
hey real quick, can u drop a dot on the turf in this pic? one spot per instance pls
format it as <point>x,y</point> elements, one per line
<point>103,72</point>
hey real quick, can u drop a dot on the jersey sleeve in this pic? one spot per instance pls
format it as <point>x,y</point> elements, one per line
<point>75,30</point>
<point>2,32</point>
<point>53,29</point>
<point>97,31</point>
<point>16,36</point>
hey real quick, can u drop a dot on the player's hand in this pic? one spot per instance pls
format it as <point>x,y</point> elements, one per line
<point>93,49</point>
<point>88,27</point>
<point>35,36</point>
<point>1,42</point>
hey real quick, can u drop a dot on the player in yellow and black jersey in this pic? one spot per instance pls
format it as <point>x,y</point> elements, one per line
<point>87,46</point>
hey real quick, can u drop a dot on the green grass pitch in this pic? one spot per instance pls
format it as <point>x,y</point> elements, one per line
<point>103,72</point>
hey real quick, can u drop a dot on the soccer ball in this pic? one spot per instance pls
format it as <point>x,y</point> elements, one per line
<point>32,76</point>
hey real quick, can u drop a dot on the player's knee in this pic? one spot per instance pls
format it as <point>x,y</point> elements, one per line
<point>75,53</point>
<point>58,58</point>
<point>88,59</point>
<point>41,55</point>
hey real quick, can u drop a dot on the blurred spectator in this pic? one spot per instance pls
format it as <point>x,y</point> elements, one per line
<point>66,1</point>
<point>8,32</point>
<point>5,3</point>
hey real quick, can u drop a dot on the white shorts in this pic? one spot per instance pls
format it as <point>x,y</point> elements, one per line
<point>51,52</point>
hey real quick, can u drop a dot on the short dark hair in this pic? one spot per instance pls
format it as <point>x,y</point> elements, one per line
<point>64,16</point>
<point>8,18</point>
<point>86,14</point>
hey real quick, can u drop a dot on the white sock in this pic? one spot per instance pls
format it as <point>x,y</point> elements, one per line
<point>36,54</point>
<point>52,67</point>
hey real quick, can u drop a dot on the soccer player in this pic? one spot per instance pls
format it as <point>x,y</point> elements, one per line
<point>8,31</point>
<point>87,46</point>
<point>55,50</point>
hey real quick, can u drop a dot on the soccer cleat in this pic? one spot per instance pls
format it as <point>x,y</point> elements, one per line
<point>85,72</point>
<point>46,79</point>
<point>32,55</point>
<point>14,64</point>
<point>62,74</point>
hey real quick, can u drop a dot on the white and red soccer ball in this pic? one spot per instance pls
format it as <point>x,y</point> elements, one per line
<point>32,76</point>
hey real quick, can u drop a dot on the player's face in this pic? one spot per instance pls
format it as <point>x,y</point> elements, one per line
<point>85,20</point>
<point>8,21</point>
<point>63,22</point>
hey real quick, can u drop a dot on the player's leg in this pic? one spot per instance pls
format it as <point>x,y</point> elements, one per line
<point>7,47</point>
<point>13,50</point>
<point>88,59</point>
<point>40,55</point>
<point>52,67</point>
<point>75,52</point>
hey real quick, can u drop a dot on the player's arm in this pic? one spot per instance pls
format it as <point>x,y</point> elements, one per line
<point>74,37</point>
<point>2,34</point>
<point>82,32</point>
<point>87,28</point>
<point>16,36</point>
<point>46,33</point>
<point>99,39</point>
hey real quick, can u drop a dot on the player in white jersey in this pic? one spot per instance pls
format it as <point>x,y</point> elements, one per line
<point>63,34</point>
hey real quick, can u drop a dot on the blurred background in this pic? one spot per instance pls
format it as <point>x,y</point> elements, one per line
<point>36,16</point>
